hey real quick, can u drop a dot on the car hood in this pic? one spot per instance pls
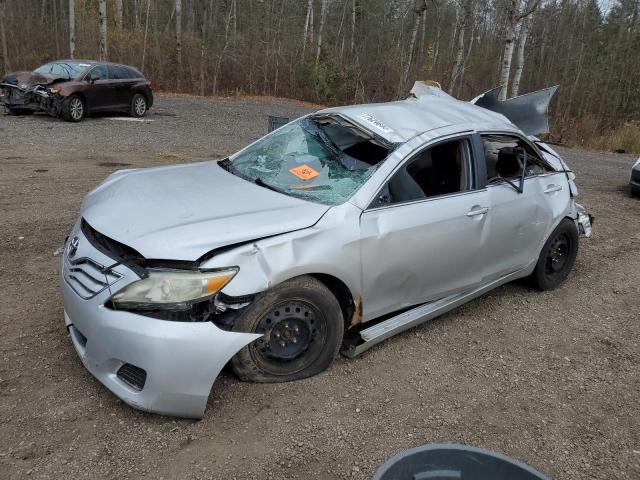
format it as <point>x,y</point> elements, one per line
<point>182,212</point>
<point>30,79</point>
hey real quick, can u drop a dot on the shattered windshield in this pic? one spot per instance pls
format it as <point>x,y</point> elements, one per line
<point>320,159</point>
<point>68,70</point>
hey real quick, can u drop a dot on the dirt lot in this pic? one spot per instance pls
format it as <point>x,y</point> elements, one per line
<point>548,378</point>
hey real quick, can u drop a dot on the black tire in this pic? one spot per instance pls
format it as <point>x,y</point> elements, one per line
<point>139,106</point>
<point>557,257</point>
<point>635,192</point>
<point>74,109</point>
<point>303,326</point>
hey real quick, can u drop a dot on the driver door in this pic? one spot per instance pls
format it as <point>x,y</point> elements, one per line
<point>99,93</point>
<point>422,237</point>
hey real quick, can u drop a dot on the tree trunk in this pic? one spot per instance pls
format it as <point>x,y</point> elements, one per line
<point>307,24</point>
<point>178,12</point>
<point>203,50</point>
<point>3,38</point>
<point>418,7</point>
<point>72,29</point>
<point>323,15</point>
<point>118,14</point>
<point>459,56</point>
<point>146,31</point>
<point>522,42</point>
<point>507,51</point>
<point>102,8</point>
<point>353,27</point>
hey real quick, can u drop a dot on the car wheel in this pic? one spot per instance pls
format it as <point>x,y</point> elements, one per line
<point>635,192</point>
<point>138,106</point>
<point>302,326</point>
<point>74,109</point>
<point>557,256</point>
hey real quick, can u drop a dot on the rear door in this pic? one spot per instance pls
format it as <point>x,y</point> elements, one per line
<point>123,82</point>
<point>422,236</point>
<point>519,222</point>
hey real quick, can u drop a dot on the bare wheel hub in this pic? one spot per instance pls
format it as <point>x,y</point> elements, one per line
<point>289,330</point>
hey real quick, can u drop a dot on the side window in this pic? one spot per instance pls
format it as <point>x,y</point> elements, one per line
<point>100,71</point>
<point>504,155</point>
<point>133,73</point>
<point>118,72</point>
<point>443,169</point>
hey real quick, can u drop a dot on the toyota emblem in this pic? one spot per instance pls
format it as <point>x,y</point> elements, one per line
<point>72,248</point>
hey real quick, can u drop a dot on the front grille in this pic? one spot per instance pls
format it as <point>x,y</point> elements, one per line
<point>88,278</point>
<point>132,375</point>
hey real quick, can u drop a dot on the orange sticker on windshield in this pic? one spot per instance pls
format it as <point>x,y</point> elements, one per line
<point>304,172</point>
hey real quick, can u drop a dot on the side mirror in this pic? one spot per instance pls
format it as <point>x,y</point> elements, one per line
<point>93,78</point>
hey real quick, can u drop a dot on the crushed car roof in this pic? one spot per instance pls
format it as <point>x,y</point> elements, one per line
<point>426,109</point>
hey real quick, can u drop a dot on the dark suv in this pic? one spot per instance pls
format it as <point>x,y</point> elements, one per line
<point>73,89</point>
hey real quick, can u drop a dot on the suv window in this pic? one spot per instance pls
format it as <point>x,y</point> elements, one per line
<point>442,169</point>
<point>119,72</point>
<point>100,71</point>
<point>504,157</point>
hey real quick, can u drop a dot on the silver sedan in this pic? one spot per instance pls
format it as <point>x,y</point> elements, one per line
<point>335,231</point>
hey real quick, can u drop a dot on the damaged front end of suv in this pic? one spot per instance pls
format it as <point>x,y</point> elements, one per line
<point>28,92</point>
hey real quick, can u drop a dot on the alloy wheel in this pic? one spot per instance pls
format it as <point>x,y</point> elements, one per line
<point>140,106</point>
<point>77,109</point>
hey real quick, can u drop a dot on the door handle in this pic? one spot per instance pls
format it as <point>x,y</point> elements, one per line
<point>477,210</point>
<point>552,188</point>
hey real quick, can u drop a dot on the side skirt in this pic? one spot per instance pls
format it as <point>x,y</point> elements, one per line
<point>423,313</point>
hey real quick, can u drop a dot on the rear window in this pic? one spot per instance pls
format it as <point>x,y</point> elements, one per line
<point>118,72</point>
<point>317,159</point>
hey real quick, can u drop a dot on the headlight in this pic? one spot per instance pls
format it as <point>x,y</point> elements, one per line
<point>54,90</point>
<point>173,289</point>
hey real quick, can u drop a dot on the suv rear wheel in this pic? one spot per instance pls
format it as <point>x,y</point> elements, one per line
<point>138,106</point>
<point>302,326</point>
<point>557,256</point>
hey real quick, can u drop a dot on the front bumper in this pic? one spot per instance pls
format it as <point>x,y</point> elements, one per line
<point>181,359</point>
<point>36,99</point>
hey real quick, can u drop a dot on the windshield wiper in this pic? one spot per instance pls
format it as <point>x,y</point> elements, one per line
<point>258,181</point>
<point>225,164</point>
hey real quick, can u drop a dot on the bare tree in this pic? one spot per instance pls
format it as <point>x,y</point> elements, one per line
<point>146,31</point>
<point>464,17</point>
<point>102,9</point>
<point>514,16</point>
<point>522,42</point>
<point>353,27</point>
<point>178,12</point>
<point>323,15</point>
<point>3,37</point>
<point>119,14</point>
<point>72,28</point>
<point>419,6</point>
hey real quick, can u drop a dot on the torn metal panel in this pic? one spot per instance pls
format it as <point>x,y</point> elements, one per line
<point>528,112</point>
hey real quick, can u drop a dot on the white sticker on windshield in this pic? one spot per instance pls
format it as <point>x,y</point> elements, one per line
<point>84,65</point>
<point>375,122</point>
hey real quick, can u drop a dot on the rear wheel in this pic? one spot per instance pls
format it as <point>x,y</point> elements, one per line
<point>302,326</point>
<point>74,109</point>
<point>138,106</point>
<point>557,256</point>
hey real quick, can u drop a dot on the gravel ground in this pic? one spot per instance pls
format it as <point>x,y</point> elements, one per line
<point>548,378</point>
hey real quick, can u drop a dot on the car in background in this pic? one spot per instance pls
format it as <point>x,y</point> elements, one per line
<point>634,183</point>
<point>73,89</point>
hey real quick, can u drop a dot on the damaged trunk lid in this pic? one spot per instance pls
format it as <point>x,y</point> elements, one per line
<point>183,212</point>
